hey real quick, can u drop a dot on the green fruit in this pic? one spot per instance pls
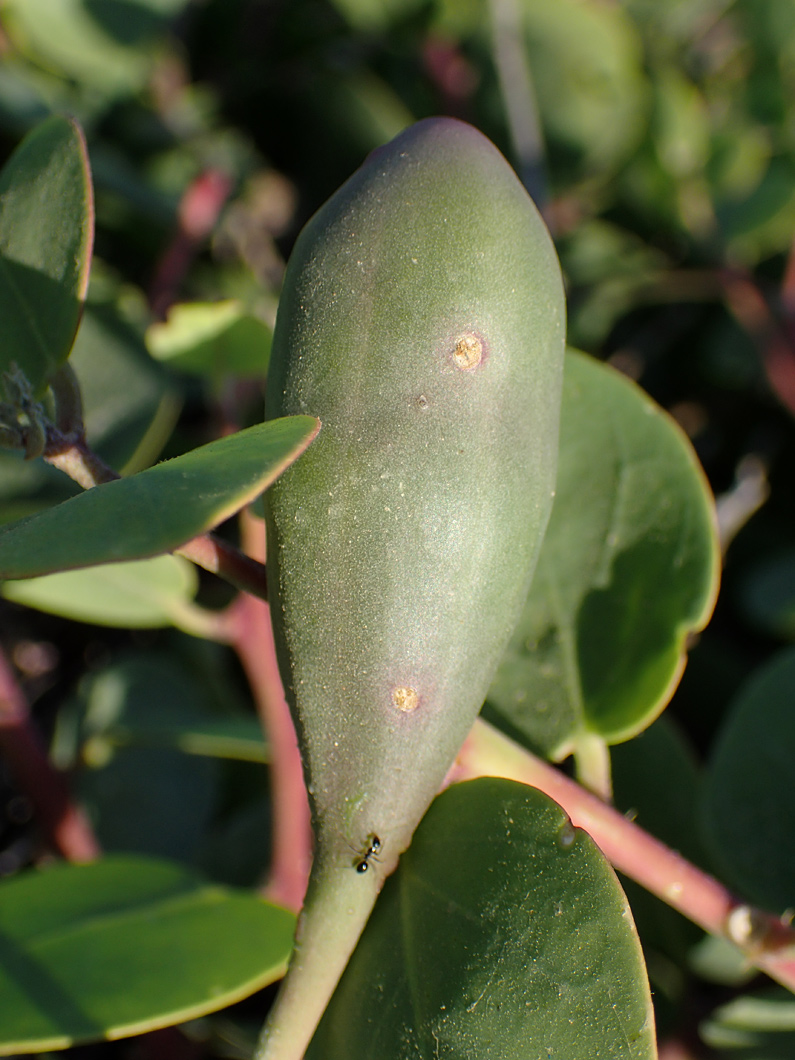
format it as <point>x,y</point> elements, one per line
<point>422,320</point>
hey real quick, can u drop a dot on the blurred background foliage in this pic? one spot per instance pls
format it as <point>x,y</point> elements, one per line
<point>659,140</point>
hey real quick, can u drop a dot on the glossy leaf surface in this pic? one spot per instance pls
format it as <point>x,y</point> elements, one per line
<point>46,234</point>
<point>160,508</point>
<point>503,934</point>
<point>628,568</point>
<point>126,945</point>
<point>749,811</point>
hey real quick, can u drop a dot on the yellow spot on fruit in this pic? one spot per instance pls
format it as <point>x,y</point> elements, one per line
<point>468,352</point>
<point>405,699</point>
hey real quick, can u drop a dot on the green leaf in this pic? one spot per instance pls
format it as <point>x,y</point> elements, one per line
<point>238,738</point>
<point>628,568</point>
<point>682,129</point>
<point>586,60</point>
<point>158,509</point>
<point>141,594</point>
<point>368,16</point>
<point>657,782</point>
<point>152,701</point>
<point>757,1026</point>
<point>767,594</point>
<point>46,234</point>
<point>749,811</point>
<point>109,46</point>
<point>212,338</point>
<point>503,934</point>
<point>126,945</point>
<point>130,404</point>
<point>146,799</point>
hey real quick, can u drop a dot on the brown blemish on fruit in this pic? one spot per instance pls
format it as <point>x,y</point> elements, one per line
<point>405,699</point>
<point>468,352</point>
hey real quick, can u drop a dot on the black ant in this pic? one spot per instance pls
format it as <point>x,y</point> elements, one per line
<point>362,862</point>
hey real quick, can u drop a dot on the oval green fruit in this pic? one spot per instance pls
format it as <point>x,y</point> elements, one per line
<point>422,320</point>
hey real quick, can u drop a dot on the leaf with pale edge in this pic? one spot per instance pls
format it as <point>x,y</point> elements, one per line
<point>628,570</point>
<point>124,946</point>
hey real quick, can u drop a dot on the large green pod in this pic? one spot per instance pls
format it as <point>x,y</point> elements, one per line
<point>422,320</point>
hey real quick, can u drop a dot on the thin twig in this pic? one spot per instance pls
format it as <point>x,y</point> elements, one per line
<point>197,216</point>
<point>213,554</point>
<point>767,941</point>
<point>72,455</point>
<point>64,824</point>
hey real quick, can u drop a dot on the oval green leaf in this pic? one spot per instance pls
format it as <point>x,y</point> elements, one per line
<point>758,1026</point>
<point>503,934</point>
<point>151,701</point>
<point>749,811</point>
<point>586,62</point>
<point>107,48</point>
<point>130,404</point>
<point>215,339</point>
<point>628,569</point>
<point>158,509</point>
<point>46,235</point>
<point>140,594</point>
<point>126,945</point>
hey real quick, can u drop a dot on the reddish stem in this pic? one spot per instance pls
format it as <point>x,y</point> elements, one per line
<point>251,635</point>
<point>767,941</point>
<point>65,826</point>
<point>198,213</point>
<point>228,562</point>
<point>775,340</point>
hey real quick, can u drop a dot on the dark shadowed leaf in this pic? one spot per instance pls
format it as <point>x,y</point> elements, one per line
<point>749,810</point>
<point>46,233</point>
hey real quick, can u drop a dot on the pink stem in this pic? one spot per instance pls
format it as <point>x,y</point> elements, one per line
<point>219,557</point>
<point>251,635</point>
<point>764,939</point>
<point>63,823</point>
<point>198,213</point>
